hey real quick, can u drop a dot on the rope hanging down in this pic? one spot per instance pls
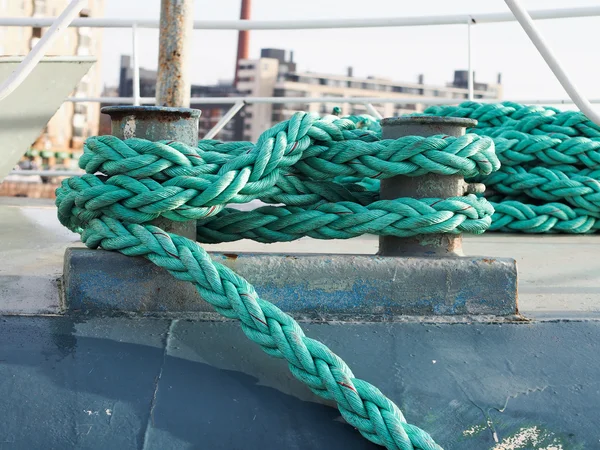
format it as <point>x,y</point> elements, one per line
<point>315,166</point>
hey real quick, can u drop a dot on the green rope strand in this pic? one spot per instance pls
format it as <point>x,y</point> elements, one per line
<point>550,185</point>
<point>514,216</point>
<point>345,220</point>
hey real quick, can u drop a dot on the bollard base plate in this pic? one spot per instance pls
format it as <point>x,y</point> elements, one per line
<point>344,287</point>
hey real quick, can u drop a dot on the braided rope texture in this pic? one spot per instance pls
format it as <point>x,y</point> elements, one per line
<point>549,181</point>
<point>326,172</point>
<point>318,169</point>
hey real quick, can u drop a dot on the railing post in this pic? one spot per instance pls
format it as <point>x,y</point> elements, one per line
<point>470,80</point>
<point>176,25</point>
<point>373,111</point>
<point>136,66</point>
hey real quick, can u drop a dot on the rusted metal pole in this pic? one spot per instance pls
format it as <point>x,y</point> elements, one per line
<point>427,186</point>
<point>173,86</point>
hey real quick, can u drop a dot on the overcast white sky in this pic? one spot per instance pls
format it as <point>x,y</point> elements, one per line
<point>397,53</point>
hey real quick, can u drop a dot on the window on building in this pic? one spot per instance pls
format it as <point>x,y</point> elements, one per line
<point>36,32</point>
<point>245,79</point>
<point>308,80</point>
<point>247,126</point>
<point>78,132</point>
<point>80,108</point>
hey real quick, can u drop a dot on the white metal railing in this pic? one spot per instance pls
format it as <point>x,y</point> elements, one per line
<point>459,19</point>
<point>536,38</point>
<point>456,19</point>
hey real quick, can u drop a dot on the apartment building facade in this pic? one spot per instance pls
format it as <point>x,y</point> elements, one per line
<point>273,76</point>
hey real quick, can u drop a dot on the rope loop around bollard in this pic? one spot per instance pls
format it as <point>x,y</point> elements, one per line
<point>326,173</point>
<point>315,167</point>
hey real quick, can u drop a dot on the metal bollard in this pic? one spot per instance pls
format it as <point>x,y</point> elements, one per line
<point>157,123</point>
<point>427,186</point>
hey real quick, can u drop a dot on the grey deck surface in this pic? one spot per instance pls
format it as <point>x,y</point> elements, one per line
<point>86,382</point>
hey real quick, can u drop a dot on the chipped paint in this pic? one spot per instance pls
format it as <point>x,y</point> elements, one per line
<point>129,128</point>
<point>530,438</point>
<point>474,430</point>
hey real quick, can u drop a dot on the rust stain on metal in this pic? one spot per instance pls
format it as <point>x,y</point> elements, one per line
<point>173,83</point>
<point>488,260</point>
<point>232,256</point>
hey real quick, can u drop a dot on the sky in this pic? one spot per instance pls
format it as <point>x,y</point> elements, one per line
<point>397,53</point>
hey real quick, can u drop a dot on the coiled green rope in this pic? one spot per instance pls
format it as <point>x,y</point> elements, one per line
<point>313,166</point>
<point>326,172</point>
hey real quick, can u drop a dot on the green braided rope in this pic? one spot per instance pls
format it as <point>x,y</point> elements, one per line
<point>550,184</point>
<point>550,160</point>
<point>514,216</point>
<point>510,214</point>
<point>345,220</point>
<point>326,172</point>
<point>316,167</point>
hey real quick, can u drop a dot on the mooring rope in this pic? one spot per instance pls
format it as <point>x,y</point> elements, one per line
<point>326,172</point>
<point>549,180</point>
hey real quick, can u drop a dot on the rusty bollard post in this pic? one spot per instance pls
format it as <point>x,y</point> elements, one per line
<point>427,186</point>
<point>156,123</point>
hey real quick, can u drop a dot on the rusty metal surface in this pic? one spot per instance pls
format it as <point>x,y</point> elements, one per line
<point>173,86</point>
<point>428,186</point>
<point>325,287</point>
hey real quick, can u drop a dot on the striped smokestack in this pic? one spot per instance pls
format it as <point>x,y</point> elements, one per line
<point>243,39</point>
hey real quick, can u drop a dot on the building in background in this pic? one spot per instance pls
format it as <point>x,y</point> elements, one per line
<point>273,76</point>
<point>65,133</point>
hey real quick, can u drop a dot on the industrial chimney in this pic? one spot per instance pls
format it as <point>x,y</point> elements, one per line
<point>243,39</point>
